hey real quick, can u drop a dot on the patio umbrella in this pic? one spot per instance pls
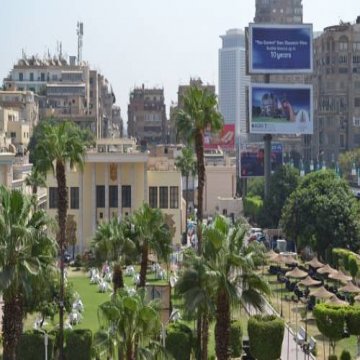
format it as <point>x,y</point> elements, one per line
<point>321,293</point>
<point>315,263</point>
<point>271,254</point>
<point>340,276</point>
<point>327,269</point>
<point>309,281</point>
<point>357,298</point>
<point>334,300</point>
<point>296,273</point>
<point>350,288</point>
<point>282,259</point>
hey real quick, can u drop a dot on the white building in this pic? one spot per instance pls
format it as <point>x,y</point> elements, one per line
<point>233,80</point>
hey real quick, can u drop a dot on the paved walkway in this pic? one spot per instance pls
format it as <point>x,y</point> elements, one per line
<point>290,350</point>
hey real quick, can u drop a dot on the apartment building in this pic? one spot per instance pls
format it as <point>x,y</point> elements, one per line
<point>279,11</point>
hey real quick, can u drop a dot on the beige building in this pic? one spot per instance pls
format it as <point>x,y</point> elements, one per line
<point>115,181</point>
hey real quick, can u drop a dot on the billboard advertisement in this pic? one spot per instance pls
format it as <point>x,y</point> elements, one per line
<point>225,139</point>
<point>280,48</point>
<point>281,109</point>
<point>252,159</point>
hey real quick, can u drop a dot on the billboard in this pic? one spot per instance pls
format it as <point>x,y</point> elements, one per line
<point>280,48</point>
<point>224,139</point>
<point>252,159</point>
<point>281,109</point>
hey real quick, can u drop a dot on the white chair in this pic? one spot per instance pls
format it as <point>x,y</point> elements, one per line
<point>136,279</point>
<point>300,336</point>
<point>130,271</point>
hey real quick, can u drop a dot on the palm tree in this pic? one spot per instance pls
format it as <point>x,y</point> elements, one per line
<point>110,243</point>
<point>35,180</point>
<point>60,144</point>
<point>198,114</point>
<point>133,322</point>
<point>150,233</point>
<point>25,252</point>
<point>187,165</point>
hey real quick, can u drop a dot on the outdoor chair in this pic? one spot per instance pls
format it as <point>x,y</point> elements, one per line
<point>300,336</point>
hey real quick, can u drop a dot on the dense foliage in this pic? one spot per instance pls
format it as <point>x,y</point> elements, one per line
<point>31,346</point>
<point>78,344</point>
<point>179,339</point>
<point>253,207</point>
<point>235,339</point>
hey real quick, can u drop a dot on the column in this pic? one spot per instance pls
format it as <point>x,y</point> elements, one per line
<point>119,191</point>
<point>81,212</point>
<point>106,212</point>
<point>93,190</point>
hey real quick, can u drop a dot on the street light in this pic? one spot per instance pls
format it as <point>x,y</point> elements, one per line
<point>46,341</point>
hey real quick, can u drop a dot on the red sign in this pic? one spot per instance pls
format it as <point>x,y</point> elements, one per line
<point>225,139</point>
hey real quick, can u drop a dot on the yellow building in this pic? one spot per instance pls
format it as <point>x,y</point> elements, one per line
<point>115,181</point>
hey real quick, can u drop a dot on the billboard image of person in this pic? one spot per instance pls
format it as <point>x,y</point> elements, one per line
<point>281,109</point>
<point>252,159</point>
<point>224,139</point>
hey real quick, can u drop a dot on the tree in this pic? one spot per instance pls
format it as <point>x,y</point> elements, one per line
<point>70,232</point>
<point>35,180</point>
<point>60,144</point>
<point>187,165</point>
<point>199,113</point>
<point>347,160</point>
<point>110,243</point>
<point>322,212</point>
<point>150,233</point>
<point>133,322</point>
<point>26,252</point>
<point>282,183</point>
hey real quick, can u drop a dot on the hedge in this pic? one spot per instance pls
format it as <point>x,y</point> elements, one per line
<point>78,344</point>
<point>345,355</point>
<point>353,320</point>
<point>332,357</point>
<point>235,339</point>
<point>31,346</point>
<point>266,336</point>
<point>346,258</point>
<point>179,339</point>
<point>253,206</point>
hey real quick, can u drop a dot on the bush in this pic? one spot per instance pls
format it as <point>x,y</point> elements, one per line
<point>253,206</point>
<point>179,340</point>
<point>353,266</point>
<point>235,339</point>
<point>353,320</point>
<point>345,355</point>
<point>332,357</point>
<point>266,336</point>
<point>78,344</point>
<point>31,346</point>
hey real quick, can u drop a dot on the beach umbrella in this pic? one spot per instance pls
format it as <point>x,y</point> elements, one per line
<point>327,269</point>
<point>296,273</point>
<point>309,281</point>
<point>271,254</point>
<point>282,259</point>
<point>315,263</point>
<point>321,293</point>
<point>334,300</point>
<point>350,288</point>
<point>339,276</point>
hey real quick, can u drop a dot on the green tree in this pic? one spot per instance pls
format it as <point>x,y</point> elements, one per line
<point>133,322</point>
<point>322,212</point>
<point>26,252</point>
<point>35,180</point>
<point>282,183</point>
<point>199,113</point>
<point>347,160</point>
<point>59,145</point>
<point>187,164</point>
<point>111,243</point>
<point>150,233</point>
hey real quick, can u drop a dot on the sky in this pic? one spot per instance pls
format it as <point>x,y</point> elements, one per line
<point>161,43</point>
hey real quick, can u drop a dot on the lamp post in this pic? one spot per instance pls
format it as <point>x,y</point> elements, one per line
<point>46,341</point>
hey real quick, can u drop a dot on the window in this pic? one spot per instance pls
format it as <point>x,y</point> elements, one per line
<point>100,196</point>
<point>31,76</point>
<point>13,134</point>
<point>153,201</point>
<point>21,76</point>
<point>113,196</point>
<point>164,195</point>
<point>357,102</point>
<point>42,76</point>
<point>53,197</point>
<point>126,196</point>
<point>174,197</point>
<point>74,198</point>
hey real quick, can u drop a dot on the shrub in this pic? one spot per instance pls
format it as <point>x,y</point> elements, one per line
<point>266,336</point>
<point>235,339</point>
<point>253,206</point>
<point>78,344</point>
<point>332,357</point>
<point>353,320</point>
<point>31,346</point>
<point>179,340</point>
<point>345,355</point>
<point>353,266</point>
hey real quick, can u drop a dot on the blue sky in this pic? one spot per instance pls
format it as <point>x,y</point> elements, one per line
<point>158,43</point>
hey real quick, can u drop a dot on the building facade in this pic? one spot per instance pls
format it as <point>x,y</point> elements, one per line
<point>115,181</point>
<point>279,11</point>
<point>147,116</point>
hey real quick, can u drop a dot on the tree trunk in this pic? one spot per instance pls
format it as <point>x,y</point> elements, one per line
<point>118,280</point>
<point>199,337</point>
<point>12,325</point>
<point>205,337</point>
<point>186,201</point>
<point>222,326</point>
<point>144,264</point>
<point>129,351</point>
<point>199,147</point>
<point>62,213</point>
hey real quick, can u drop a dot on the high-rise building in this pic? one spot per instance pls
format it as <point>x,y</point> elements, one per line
<point>336,92</point>
<point>233,80</point>
<point>147,116</point>
<point>279,11</point>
